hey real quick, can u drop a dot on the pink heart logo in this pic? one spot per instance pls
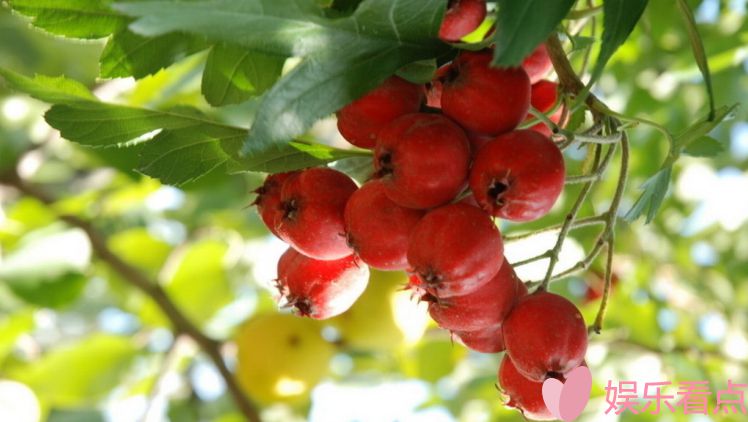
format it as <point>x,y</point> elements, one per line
<point>566,401</point>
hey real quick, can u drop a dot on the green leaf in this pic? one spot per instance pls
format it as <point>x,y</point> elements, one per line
<point>175,146</point>
<point>419,72</point>
<point>49,89</point>
<point>619,19</point>
<point>294,155</point>
<point>522,25</point>
<point>81,373</point>
<point>233,75</point>
<point>129,54</point>
<point>180,156</point>
<point>697,45</point>
<point>343,58</point>
<point>706,146</point>
<point>47,270</point>
<point>76,415</point>
<point>88,19</point>
<point>654,191</point>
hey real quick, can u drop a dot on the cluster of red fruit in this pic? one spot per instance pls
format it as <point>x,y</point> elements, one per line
<point>442,171</point>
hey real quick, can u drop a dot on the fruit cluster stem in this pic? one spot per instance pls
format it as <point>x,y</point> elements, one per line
<point>133,276</point>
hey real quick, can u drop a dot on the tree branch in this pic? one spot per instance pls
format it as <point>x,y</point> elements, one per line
<point>133,276</point>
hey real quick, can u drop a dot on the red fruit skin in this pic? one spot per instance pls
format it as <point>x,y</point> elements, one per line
<point>453,250</point>
<point>312,205</point>
<point>268,198</point>
<point>486,340</point>
<point>360,121</point>
<point>524,394</point>
<point>422,160</point>
<point>518,176</point>
<point>545,335</point>
<point>544,97</point>
<point>537,64</point>
<point>484,99</point>
<point>320,289</point>
<point>477,141</point>
<point>461,18</point>
<point>378,229</point>
<point>485,307</point>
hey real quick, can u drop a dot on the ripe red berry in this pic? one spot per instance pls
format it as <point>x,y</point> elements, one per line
<point>360,121</point>
<point>378,229</point>
<point>524,394</point>
<point>461,18</point>
<point>484,99</point>
<point>422,160</point>
<point>545,336</point>
<point>485,340</point>
<point>320,289</point>
<point>312,204</point>
<point>537,64</point>
<point>454,250</point>
<point>544,97</point>
<point>477,140</point>
<point>268,198</point>
<point>518,176</point>
<point>485,307</point>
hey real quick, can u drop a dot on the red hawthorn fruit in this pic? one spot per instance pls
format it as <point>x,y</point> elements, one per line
<point>489,339</point>
<point>484,99</point>
<point>360,121</point>
<point>454,250</point>
<point>461,18</point>
<point>545,336</point>
<point>518,176</point>
<point>268,198</point>
<point>477,141</point>
<point>537,64</point>
<point>320,289</point>
<point>422,160</point>
<point>485,307</point>
<point>378,229</point>
<point>596,285</point>
<point>486,340</point>
<point>544,97</point>
<point>312,204</point>
<point>523,394</point>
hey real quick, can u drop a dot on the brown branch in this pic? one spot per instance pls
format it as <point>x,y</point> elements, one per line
<point>133,276</point>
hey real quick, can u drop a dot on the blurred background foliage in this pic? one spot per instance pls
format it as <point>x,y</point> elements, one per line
<point>79,344</point>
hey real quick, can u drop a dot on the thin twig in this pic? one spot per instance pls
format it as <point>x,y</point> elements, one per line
<point>180,323</point>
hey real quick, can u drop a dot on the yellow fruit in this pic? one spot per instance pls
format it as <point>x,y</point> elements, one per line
<point>384,317</point>
<point>281,357</point>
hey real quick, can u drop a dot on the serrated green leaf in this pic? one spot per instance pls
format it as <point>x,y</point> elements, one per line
<point>654,191</point>
<point>522,25</point>
<point>128,54</point>
<point>81,373</point>
<point>294,155</point>
<point>49,89</point>
<point>343,58</point>
<point>87,19</point>
<point>619,19</point>
<point>233,74</point>
<point>180,156</point>
<point>697,45</point>
<point>706,146</point>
